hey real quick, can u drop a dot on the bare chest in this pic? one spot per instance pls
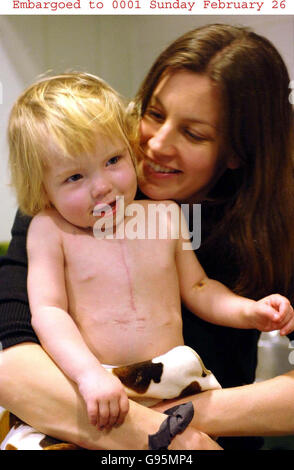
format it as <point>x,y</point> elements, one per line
<point>108,271</point>
<point>86,256</point>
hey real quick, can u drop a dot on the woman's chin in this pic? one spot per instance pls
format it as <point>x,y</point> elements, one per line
<point>158,186</point>
<point>154,192</point>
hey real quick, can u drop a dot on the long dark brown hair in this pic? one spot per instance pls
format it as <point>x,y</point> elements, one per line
<point>258,125</point>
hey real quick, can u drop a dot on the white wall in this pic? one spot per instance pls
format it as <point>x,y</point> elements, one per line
<point>118,48</point>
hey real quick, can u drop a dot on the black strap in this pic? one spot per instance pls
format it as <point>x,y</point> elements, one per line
<point>179,418</point>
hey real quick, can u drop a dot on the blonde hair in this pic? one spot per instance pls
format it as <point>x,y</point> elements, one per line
<point>64,112</point>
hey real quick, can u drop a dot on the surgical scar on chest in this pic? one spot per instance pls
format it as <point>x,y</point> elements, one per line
<point>129,282</point>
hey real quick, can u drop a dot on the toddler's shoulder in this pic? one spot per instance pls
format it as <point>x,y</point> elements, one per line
<point>46,223</point>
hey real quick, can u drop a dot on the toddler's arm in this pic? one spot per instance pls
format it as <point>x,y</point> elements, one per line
<point>105,397</point>
<point>214,302</point>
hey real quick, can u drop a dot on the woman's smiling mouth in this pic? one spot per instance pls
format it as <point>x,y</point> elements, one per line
<point>157,168</point>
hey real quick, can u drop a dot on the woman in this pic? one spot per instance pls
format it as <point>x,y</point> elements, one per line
<point>232,167</point>
<point>214,130</point>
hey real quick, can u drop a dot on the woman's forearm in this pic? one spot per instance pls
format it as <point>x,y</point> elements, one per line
<point>264,408</point>
<point>260,409</point>
<point>35,390</point>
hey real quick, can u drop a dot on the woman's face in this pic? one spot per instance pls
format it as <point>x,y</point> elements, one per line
<point>181,139</point>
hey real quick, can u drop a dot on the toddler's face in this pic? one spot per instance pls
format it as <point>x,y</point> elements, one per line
<point>76,186</point>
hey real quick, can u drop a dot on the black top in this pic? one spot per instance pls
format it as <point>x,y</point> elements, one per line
<point>230,353</point>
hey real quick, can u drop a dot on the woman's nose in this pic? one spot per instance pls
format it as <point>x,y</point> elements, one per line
<point>163,140</point>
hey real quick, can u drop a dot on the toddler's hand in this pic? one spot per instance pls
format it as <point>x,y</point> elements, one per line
<point>274,312</point>
<point>106,400</point>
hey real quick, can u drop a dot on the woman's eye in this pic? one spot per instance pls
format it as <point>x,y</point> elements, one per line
<point>113,160</point>
<point>193,136</point>
<point>154,114</point>
<point>74,178</point>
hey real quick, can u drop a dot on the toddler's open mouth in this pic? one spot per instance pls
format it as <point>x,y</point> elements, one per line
<point>105,210</point>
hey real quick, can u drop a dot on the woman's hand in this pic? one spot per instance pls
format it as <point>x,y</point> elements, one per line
<point>106,400</point>
<point>273,312</point>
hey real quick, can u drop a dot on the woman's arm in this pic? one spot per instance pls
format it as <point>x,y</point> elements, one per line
<point>35,390</point>
<point>15,315</point>
<point>15,318</point>
<point>263,408</point>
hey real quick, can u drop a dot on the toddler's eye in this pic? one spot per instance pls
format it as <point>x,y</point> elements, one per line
<point>113,160</point>
<point>74,178</point>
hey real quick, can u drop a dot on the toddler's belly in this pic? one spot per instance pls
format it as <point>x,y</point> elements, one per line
<point>128,343</point>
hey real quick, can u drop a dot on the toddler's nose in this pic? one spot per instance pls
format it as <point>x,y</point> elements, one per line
<point>100,188</point>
